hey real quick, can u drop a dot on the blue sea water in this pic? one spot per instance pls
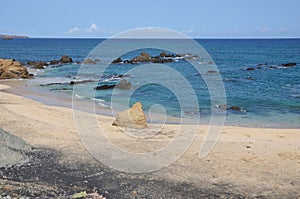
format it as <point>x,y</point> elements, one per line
<point>269,97</point>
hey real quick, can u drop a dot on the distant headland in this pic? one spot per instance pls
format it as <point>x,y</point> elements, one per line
<point>10,37</point>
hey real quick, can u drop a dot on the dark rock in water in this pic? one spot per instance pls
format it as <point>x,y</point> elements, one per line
<point>81,81</point>
<point>11,69</point>
<point>116,61</point>
<point>235,108</point>
<point>155,60</point>
<point>163,54</point>
<point>250,68</point>
<point>65,59</point>
<point>123,85</point>
<point>289,64</point>
<point>104,87</point>
<point>260,64</point>
<point>54,62</point>
<point>38,64</point>
<point>143,57</point>
<point>211,72</point>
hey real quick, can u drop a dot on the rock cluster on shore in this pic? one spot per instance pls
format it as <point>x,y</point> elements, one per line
<point>11,69</point>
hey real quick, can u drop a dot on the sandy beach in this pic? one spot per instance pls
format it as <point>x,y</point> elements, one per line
<point>249,162</point>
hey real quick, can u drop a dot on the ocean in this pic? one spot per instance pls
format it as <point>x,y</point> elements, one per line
<point>267,94</point>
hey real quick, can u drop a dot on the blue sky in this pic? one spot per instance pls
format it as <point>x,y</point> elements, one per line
<point>196,18</point>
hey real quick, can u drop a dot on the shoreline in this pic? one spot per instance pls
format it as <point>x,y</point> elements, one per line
<point>248,161</point>
<point>32,91</point>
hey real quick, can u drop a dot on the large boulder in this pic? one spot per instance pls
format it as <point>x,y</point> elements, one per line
<point>134,117</point>
<point>11,69</point>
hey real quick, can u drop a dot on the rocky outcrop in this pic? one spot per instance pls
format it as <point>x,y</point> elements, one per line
<point>11,69</point>
<point>117,61</point>
<point>90,61</point>
<point>134,117</point>
<point>289,64</point>
<point>104,87</point>
<point>37,64</point>
<point>162,58</point>
<point>122,85</point>
<point>63,60</point>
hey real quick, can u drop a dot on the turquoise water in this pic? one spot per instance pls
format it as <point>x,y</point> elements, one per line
<point>268,97</point>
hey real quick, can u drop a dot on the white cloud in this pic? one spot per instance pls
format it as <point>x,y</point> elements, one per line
<point>74,30</point>
<point>93,28</point>
<point>262,29</point>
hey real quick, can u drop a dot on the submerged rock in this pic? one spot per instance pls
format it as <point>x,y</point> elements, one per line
<point>123,85</point>
<point>89,61</point>
<point>37,64</point>
<point>116,61</point>
<point>289,64</point>
<point>11,69</point>
<point>105,87</point>
<point>250,68</point>
<point>134,117</point>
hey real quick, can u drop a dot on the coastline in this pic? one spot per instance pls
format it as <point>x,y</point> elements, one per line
<point>253,162</point>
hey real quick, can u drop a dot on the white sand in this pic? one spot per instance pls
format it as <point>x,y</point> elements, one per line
<point>255,161</point>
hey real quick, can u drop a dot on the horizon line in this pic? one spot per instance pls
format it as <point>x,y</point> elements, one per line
<point>42,37</point>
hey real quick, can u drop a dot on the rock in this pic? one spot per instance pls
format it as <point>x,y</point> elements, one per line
<point>211,72</point>
<point>123,85</point>
<point>65,59</point>
<point>104,87</point>
<point>143,57</point>
<point>158,60</point>
<point>116,61</point>
<point>250,68</point>
<point>89,61</point>
<point>235,108</point>
<point>81,81</point>
<point>134,117</point>
<point>38,64</point>
<point>10,68</point>
<point>163,54</point>
<point>289,65</point>
<point>54,62</point>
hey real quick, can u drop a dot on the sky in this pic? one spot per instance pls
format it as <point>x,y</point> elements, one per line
<point>195,18</point>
